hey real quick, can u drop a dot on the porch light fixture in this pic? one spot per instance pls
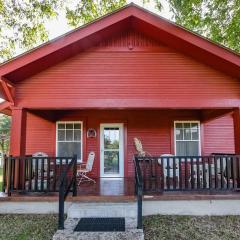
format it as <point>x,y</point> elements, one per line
<point>91,133</point>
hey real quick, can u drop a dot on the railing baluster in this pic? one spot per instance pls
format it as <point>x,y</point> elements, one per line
<point>168,173</point>
<point>215,172</point>
<point>156,173</point>
<point>9,175</point>
<point>198,173</point>
<point>192,173</point>
<point>180,173</point>
<point>210,173</point>
<point>36,175</point>
<point>174,173</point>
<point>42,174</point>
<point>233,172</point>
<point>204,173</point>
<point>222,173</point>
<point>48,173</point>
<point>163,173</point>
<point>24,166</point>
<point>145,175</point>
<point>227,171</point>
<point>186,173</point>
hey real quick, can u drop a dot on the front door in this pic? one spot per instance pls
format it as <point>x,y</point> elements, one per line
<point>111,150</point>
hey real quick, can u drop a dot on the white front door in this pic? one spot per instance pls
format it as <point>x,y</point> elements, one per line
<point>111,150</point>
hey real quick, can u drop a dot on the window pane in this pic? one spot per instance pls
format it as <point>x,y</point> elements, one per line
<point>77,135</point>
<point>77,125</point>
<point>111,162</point>
<point>187,134</point>
<point>69,126</point>
<point>179,134</point>
<point>194,125</point>
<point>192,149</point>
<point>181,149</point>
<point>186,125</point>
<point>111,138</point>
<point>69,135</point>
<point>195,135</point>
<point>61,126</point>
<point>68,149</point>
<point>61,135</point>
<point>186,148</point>
<point>179,125</point>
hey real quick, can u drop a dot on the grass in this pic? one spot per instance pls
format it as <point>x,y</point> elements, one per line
<point>1,178</point>
<point>39,227</point>
<point>188,227</point>
<point>26,227</point>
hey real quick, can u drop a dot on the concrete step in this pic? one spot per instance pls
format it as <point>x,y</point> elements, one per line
<point>68,233</point>
<point>128,210</point>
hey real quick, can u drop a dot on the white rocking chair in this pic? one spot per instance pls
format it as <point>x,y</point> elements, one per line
<point>86,168</point>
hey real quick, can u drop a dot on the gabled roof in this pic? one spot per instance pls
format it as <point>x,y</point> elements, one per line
<point>128,17</point>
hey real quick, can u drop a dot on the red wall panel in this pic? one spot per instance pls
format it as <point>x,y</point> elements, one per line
<point>219,135</point>
<point>40,135</point>
<point>114,75</point>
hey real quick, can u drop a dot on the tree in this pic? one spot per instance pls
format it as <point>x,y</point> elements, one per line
<point>5,122</point>
<point>218,20</point>
<point>88,10</point>
<point>22,24</point>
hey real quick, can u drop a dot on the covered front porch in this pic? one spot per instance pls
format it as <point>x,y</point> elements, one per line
<point>188,149</point>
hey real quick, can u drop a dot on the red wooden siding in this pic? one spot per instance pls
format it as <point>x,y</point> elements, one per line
<point>154,128</point>
<point>126,72</point>
<point>40,135</point>
<point>219,135</point>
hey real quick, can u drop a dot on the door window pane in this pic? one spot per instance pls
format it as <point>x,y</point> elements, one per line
<point>111,162</point>
<point>111,138</point>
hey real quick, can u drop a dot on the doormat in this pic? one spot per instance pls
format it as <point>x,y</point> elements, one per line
<point>100,225</point>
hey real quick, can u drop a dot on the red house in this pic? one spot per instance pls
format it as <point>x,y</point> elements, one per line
<point>128,74</point>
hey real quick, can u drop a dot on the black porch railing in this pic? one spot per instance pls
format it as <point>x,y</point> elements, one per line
<point>34,174</point>
<point>138,191</point>
<point>217,172</point>
<point>68,182</point>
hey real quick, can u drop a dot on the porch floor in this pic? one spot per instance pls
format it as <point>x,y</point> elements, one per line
<point>121,189</point>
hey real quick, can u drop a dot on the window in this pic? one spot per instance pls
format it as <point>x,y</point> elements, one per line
<point>69,139</point>
<point>187,138</point>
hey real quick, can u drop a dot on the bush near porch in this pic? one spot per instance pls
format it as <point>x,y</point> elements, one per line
<point>191,227</point>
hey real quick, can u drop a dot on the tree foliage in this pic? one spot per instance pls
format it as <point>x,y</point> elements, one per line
<point>88,10</point>
<point>218,20</point>
<point>22,24</point>
<point>5,122</point>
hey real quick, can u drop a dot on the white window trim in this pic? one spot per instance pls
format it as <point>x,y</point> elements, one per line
<point>81,122</point>
<point>199,134</point>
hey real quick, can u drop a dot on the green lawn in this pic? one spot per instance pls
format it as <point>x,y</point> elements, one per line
<point>27,227</point>
<point>186,227</point>
<point>1,179</point>
<point>41,227</point>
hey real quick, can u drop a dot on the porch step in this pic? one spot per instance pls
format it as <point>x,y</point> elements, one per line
<point>126,210</point>
<point>69,233</point>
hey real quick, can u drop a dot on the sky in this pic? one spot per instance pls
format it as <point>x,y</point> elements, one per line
<point>59,26</point>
